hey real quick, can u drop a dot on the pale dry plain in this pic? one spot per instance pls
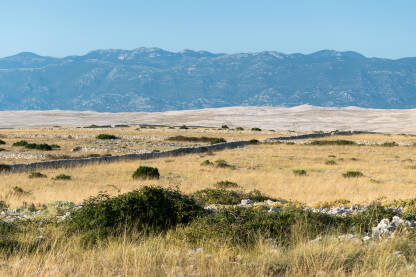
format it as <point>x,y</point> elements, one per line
<point>301,118</point>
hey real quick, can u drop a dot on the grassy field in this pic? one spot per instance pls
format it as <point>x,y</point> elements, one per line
<point>300,175</point>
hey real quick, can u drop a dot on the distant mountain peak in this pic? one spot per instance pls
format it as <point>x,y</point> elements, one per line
<point>153,79</point>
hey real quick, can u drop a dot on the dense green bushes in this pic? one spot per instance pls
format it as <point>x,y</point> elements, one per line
<point>2,142</point>
<point>146,172</point>
<point>41,146</point>
<point>147,209</point>
<point>106,136</point>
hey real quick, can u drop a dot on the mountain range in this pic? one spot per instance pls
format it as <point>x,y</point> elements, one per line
<point>153,79</point>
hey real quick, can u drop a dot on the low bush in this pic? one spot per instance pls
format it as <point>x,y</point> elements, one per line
<point>239,129</point>
<point>352,174</point>
<point>42,146</point>
<point>217,140</point>
<point>224,127</point>
<point>333,142</point>
<point>62,177</point>
<point>184,127</point>
<point>390,144</point>
<point>19,191</point>
<point>2,149</point>
<point>222,163</point>
<point>226,197</point>
<point>149,209</point>
<point>37,175</point>
<point>299,172</point>
<point>331,162</point>
<point>254,141</point>
<point>106,136</point>
<point>146,172</point>
<point>2,142</point>
<point>20,143</point>
<point>225,185</point>
<point>256,129</point>
<point>206,162</point>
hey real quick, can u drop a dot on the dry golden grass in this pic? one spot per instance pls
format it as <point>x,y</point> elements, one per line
<point>388,172</point>
<point>162,255</point>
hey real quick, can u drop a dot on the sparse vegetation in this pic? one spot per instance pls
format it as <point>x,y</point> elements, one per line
<point>62,177</point>
<point>352,174</point>
<point>225,185</point>
<point>239,129</point>
<point>299,172</point>
<point>217,140</point>
<point>146,172</point>
<point>206,162</point>
<point>37,175</point>
<point>330,162</point>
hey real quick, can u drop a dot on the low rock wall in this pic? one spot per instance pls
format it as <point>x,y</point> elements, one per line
<point>143,156</point>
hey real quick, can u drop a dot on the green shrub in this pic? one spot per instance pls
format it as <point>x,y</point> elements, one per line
<point>224,127</point>
<point>217,140</point>
<point>225,185</point>
<point>390,144</point>
<point>106,136</point>
<point>20,143</point>
<point>217,196</point>
<point>18,190</point>
<point>43,146</point>
<point>2,142</point>
<point>226,197</point>
<point>62,177</point>
<point>352,174</point>
<point>183,127</point>
<point>243,227</point>
<point>256,129</point>
<point>331,162</point>
<point>299,172</point>
<point>206,162</point>
<point>254,141</point>
<point>221,163</point>
<point>2,149</point>
<point>149,209</point>
<point>239,129</point>
<point>37,175</point>
<point>146,172</point>
<point>333,142</point>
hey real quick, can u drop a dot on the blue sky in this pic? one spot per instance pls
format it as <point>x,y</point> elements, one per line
<point>375,28</point>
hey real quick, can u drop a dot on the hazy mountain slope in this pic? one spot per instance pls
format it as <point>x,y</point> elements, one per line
<point>152,79</point>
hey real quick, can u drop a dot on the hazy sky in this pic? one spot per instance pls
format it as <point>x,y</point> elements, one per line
<point>375,28</point>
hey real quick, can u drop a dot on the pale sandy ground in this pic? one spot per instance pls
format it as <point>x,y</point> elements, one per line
<point>301,118</point>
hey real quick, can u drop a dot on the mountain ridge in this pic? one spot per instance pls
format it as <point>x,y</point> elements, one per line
<point>153,79</point>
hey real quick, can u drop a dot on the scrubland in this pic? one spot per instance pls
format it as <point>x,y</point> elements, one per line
<point>189,220</point>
